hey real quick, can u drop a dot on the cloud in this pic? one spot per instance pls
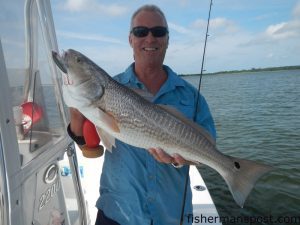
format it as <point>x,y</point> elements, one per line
<point>113,60</point>
<point>199,23</point>
<point>284,30</point>
<point>219,25</point>
<point>184,2</point>
<point>263,17</point>
<point>178,28</point>
<point>88,37</point>
<point>221,22</point>
<point>296,10</point>
<point>231,46</point>
<point>185,55</point>
<point>94,6</point>
<point>231,43</point>
<point>288,29</point>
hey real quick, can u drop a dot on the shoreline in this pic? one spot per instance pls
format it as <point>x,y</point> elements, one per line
<point>253,70</point>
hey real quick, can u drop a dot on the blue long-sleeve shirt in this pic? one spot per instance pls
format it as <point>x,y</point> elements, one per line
<point>134,187</point>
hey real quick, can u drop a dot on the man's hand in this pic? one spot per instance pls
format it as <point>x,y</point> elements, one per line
<point>161,156</point>
<point>76,121</point>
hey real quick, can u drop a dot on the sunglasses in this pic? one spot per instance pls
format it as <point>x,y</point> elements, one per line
<point>144,31</point>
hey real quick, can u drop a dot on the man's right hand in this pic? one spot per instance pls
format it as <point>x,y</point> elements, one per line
<point>76,121</point>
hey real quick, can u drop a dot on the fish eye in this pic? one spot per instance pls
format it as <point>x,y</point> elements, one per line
<point>78,60</point>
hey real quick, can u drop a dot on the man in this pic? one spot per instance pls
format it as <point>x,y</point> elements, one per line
<point>146,187</point>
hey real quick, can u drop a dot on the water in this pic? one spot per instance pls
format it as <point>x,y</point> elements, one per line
<point>257,116</point>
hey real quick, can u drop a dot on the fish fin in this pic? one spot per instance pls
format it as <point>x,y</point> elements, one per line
<point>113,122</point>
<point>107,140</point>
<point>143,93</point>
<point>243,176</point>
<point>183,118</point>
<point>101,119</point>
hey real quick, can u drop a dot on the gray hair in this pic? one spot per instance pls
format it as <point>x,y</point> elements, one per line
<point>151,8</point>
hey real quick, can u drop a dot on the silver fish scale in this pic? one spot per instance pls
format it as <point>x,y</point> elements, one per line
<point>147,125</point>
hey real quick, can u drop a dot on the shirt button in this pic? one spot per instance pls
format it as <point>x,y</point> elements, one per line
<point>150,199</point>
<point>151,177</point>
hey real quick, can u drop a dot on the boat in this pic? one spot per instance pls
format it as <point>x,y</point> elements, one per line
<point>44,179</point>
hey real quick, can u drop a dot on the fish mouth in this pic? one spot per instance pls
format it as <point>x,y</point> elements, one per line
<point>59,61</point>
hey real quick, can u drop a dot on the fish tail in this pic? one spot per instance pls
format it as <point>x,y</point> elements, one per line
<point>243,176</point>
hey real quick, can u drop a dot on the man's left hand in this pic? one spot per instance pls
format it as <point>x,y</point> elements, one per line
<point>163,157</point>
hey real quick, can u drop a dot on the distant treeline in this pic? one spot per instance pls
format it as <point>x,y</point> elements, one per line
<point>251,70</point>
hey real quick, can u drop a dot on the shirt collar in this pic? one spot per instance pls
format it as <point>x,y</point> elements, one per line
<point>130,77</point>
<point>171,83</point>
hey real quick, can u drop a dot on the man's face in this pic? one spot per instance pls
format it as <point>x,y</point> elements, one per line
<point>149,50</point>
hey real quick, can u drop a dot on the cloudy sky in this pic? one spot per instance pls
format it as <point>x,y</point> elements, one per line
<point>243,34</point>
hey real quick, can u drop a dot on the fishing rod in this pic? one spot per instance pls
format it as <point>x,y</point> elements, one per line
<point>195,112</point>
<point>202,64</point>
